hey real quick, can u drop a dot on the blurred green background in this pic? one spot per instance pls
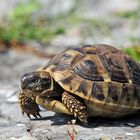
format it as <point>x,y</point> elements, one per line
<point>72,22</point>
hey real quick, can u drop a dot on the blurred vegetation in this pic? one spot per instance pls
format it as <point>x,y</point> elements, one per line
<point>133,14</point>
<point>134,52</point>
<point>22,26</point>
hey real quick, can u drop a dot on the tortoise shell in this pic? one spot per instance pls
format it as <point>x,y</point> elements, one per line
<point>107,79</point>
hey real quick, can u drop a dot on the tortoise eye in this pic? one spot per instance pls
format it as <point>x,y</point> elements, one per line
<point>33,80</point>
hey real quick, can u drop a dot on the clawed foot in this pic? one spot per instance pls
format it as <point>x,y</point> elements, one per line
<point>29,107</point>
<point>36,114</point>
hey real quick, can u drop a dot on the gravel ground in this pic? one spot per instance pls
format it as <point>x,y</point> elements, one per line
<point>14,126</point>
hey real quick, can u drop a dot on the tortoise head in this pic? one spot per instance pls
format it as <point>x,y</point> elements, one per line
<point>36,82</point>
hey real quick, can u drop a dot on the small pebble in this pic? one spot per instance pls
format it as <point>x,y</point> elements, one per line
<point>73,121</point>
<point>11,93</point>
<point>20,124</point>
<point>12,96</point>
<point>97,129</point>
<point>137,129</point>
<point>36,130</point>
<point>105,138</point>
<point>119,138</point>
<point>13,138</point>
<point>131,124</point>
<point>44,131</point>
<point>129,134</point>
<point>12,99</point>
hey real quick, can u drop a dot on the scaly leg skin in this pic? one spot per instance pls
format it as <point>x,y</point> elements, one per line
<point>75,106</point>
<point>28,105</point>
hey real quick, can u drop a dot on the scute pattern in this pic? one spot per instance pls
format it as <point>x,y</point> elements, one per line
<point>71,83</point>
<point>114,92</point>
<point>127,95</point>
<point>65,60</point>
<point>115,66</point>
<point>136,95</point>
<point>134,70</point>
<point>99,49</point>
<point>100,74</point>
<point>98,91</point>
<point>90,67</point>
<point>83,88</point>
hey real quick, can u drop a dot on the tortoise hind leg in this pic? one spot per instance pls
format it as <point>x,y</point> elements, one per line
<point>75,106</point>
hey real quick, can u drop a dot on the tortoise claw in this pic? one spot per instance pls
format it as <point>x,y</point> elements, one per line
<point>28,115</point>
<point>38,114</point>
<point>30,108</point>
<point>35,116</point>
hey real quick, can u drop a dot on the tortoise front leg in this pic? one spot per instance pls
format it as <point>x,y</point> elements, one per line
<point>76,107</point>
<point>52,105</point>
<point>28,105</point>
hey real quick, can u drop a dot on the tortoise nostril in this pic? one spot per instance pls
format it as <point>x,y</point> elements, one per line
<point>33,79</point>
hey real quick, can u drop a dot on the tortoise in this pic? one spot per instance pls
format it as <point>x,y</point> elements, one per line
<point>92,80</point>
